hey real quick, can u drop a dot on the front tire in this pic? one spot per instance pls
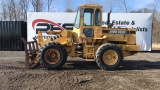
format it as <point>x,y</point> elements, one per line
<point>53,55</point>
<point>109,56</point>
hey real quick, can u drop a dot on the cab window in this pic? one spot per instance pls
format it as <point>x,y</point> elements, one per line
<point>88,17</point>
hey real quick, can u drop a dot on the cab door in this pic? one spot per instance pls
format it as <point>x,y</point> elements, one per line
<point>91,25</point>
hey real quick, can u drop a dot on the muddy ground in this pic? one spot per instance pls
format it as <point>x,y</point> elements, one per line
<point>139,72</point>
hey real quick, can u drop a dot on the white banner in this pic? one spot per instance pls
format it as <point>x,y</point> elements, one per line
<point>53,20</point>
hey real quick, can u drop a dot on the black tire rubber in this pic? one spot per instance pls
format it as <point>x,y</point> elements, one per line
<point>99,56</point>
<point>62,51</point>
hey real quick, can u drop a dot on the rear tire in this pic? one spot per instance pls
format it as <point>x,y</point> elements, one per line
<point>109,56</point>
<point>53,55</point>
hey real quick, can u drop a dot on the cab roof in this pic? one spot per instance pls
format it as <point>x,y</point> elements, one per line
<point>91,5</point>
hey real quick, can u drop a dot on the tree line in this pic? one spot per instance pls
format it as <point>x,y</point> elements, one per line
<point>13,10</point>
<point>16,10</point>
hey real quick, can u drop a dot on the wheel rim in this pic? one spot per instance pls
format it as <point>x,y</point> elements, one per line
<point>52,56</point>
<point>110,57</point>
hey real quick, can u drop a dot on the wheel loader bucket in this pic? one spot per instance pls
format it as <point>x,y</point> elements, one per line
<point>31,53</point>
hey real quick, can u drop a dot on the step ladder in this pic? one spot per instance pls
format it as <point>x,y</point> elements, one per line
<point>90,47</point>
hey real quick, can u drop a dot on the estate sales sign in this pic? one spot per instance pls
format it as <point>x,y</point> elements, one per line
<point>55,21</point>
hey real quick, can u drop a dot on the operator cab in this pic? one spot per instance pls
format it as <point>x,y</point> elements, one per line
<point>88,23</point>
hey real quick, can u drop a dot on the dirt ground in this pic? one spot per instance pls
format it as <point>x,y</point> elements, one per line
<point>139,72</point>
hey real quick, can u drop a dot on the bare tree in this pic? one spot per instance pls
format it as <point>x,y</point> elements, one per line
<point>156,24</point>
<point>69,6</point>
<point>109,6</point>
<point>38,5</point>
<point>123,5</point>
<point>4,11</point>
<point>11,9</point>
<point>23,8</point>
<point>154,5</point>
<point>14,10</point>
<point>49,4</point>
<point>143,10</point>
<point>17,9</point>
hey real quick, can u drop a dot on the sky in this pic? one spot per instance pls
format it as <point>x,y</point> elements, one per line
<point>138,4</point>
<point>132,4</point>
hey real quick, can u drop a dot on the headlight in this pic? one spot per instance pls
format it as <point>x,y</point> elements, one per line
<point>88,32</point>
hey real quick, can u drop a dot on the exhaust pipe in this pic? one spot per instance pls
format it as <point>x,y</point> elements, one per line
<point>108,21</point>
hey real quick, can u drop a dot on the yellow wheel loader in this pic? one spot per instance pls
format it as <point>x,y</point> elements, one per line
<point>89,40</point>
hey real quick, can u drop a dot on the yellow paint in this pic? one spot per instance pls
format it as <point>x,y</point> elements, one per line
<point>110,57</point>
<point>70,39</point>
